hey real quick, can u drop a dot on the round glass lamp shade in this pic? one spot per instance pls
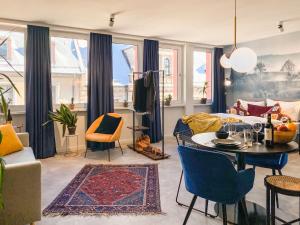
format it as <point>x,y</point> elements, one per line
<point>225,62</point>
<point>243,60</point>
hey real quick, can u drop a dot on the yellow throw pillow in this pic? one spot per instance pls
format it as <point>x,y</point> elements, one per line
<point>10,141</point>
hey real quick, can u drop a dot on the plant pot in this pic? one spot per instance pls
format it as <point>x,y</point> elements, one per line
<point>167,103</point>
<point>125,104</point>
<point>71,106</point>
<point>72,130</point>
<point>203,100</point>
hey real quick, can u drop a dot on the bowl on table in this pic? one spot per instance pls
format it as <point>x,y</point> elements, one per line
<point>283,137</point>
<point>222,134</point>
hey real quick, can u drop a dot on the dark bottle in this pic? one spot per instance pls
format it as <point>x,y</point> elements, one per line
<point>9,117</point>
<point>269,132</point>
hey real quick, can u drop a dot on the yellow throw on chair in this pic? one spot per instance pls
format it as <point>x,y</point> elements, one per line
<point>92,135</point>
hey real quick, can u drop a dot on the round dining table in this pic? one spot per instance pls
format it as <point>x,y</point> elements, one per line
<point>256,213</point>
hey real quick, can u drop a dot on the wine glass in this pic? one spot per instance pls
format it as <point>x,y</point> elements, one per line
<point>257,126</point>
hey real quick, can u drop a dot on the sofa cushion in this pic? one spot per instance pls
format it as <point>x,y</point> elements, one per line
<point>256,110</point>
<point>10,141</point>
<point>245,103</point>
<point>19,157</point>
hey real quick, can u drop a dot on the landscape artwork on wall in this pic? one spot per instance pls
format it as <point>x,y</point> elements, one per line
<point>276,75</point>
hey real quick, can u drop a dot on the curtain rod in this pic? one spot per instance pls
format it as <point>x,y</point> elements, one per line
<point>68,29</point>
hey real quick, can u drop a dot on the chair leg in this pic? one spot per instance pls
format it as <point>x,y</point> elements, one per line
<point>178,189</point>
<point>244,207</point>
<point>268,205</point>
<point>224,214</point>
<point>190,210</point>
<point>276,195</point>
<point>108,152</point>
<point>120,146</point>
<point>85,152</point>
<point>272,208</point>
<point>280,172</point>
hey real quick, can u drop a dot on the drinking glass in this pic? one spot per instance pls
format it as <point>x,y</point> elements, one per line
<point>257,127</point>
<point>232,129</point>
<point>248,137</point>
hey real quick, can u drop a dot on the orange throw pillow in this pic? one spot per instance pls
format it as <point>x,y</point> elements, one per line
<point>10,141</point>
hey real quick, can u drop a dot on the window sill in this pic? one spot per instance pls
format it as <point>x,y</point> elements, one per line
<point>199,104</point>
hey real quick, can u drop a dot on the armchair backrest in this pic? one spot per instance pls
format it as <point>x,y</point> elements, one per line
<point>209,175</point>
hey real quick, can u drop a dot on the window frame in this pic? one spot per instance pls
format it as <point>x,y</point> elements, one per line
<point>180,59</point>
<point>59,34</point>
<point>139,44</point>
<point>203,49</point>
<point>18,108</point>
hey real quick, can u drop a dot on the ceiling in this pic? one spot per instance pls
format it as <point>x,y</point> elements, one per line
<point>203,21</point>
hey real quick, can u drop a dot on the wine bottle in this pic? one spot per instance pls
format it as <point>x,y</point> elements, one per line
<point>269,132</point>
<point>9,117</point>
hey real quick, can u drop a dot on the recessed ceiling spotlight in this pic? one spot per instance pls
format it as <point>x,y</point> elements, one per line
<point>112,20</point>
<point>280,26</point>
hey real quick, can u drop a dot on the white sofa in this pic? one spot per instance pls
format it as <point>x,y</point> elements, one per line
<point>21,187</point>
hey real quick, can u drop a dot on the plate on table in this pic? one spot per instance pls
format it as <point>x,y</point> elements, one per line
<point>229,143</point>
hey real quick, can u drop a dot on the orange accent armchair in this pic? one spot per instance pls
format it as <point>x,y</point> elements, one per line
<point>107,138</point>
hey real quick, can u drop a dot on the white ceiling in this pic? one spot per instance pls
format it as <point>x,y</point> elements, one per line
<point>204,21</point>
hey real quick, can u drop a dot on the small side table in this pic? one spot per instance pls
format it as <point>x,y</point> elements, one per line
<point>68,136</point>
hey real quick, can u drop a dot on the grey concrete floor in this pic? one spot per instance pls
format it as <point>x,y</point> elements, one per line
<point>58,171</point>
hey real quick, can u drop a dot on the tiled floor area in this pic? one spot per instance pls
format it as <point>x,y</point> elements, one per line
<point>58,172</point>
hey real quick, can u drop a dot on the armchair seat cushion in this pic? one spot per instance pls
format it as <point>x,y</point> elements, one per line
<point>96,137</point>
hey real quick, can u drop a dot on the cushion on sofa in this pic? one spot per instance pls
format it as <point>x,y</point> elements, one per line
<point>26,155</point>
<point>256,110</point>
<point>292,108</point>
<point>10,141</point>
<point>245,103</point>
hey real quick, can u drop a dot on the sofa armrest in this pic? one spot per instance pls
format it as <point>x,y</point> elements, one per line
<point>22,193</point>
<point>24,138</point>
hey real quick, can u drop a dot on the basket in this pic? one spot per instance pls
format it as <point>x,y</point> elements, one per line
<point>283,137</point>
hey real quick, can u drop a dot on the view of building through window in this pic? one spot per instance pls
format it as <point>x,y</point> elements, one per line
<point>202,73</point>
<point>125,62</point>
<point>69,70</point>
<point>12,51</point>
<point>168,61</point>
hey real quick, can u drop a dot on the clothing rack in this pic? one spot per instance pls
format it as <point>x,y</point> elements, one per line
<point>163,155</point>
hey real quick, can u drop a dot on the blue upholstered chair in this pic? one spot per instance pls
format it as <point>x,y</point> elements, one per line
<point>211,175</point>
<point>273,162</point>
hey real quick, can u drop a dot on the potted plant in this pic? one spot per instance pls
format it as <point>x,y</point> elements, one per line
<point>64,116</point>
<point>203,100</point>
<point>168,100</point>
<point>125,103</point>
<point>72,105</point>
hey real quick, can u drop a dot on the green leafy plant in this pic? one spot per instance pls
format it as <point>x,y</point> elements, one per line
<point>204,89</point>
<point>168,100</point>
<point>64,116</point>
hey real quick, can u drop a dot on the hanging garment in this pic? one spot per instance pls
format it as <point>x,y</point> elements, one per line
<point>140,95</point>
<point>150,89</point>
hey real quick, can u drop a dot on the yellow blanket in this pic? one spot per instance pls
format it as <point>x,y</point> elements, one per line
<point>204,122</point>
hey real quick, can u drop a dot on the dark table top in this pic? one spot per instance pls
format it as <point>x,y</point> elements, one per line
<point>204,139</point>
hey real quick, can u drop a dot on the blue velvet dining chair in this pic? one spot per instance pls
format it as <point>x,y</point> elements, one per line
<point>274,162</point>
<point>211,175</point>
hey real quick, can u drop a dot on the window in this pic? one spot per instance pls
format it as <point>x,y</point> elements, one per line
<point>125,62</point>
<point>202,75</point>
<point>168,61</point>
<point>69,70</point>
<point>12,52</point>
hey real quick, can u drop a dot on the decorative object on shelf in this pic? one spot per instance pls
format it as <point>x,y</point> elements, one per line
<point>64,116</point>
<point>125,103</point>
<point>72,105</point>
<point>168,100</point>
<point>242,59</point>
<point>110,190</point>
<point>203,100</point>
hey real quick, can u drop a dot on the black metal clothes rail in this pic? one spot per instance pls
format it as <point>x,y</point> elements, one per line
<point>141,128</point>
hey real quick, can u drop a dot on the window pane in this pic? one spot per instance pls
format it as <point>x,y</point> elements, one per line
<point>168,61</point>
<point>12,50</point>
<point>202,74</point>
<point>125,61</point>
<point>69,70</point>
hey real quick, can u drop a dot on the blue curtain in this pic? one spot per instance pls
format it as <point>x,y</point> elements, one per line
<point>100,82</point>
<point>38,92</point>
<point>219,98</point>
<point>151,62</point>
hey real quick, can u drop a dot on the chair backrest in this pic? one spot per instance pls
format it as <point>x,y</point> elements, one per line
<point>208,174</point>
<point>93,127</point>
<point>184,137</point>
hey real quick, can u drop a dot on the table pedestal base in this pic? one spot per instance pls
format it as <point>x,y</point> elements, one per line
<point>256,214</point>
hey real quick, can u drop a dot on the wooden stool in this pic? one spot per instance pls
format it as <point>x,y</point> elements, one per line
<point>284,185</point>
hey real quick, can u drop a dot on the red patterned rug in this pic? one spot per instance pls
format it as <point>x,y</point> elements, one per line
<point>110,190</point>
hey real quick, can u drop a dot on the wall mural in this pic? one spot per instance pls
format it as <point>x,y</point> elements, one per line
<point>276,75</point>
